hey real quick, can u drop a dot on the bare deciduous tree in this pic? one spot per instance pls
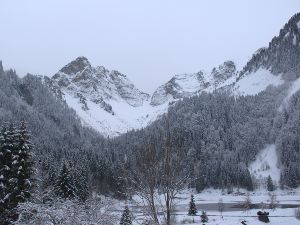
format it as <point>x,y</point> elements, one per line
<point>159,177</point>
<point>247,203</point>
<point>221,207</point>
<point>273,201</point>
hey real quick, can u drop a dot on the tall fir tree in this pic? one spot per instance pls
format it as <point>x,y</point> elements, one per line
<point>270,185</point>
<point>192,209</point>
<point>10,152</point>
<point>126,218</point>
<point>22,164</point>
<point>5,166</point>
<point>65,185</point>
<point>15,170</point>
<point>204,217</point>
<point>81,184</point>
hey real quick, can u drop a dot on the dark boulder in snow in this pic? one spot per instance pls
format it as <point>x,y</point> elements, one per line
<point>263,216</point>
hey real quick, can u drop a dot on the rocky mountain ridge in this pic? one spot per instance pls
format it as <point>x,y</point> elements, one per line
<point>109,102</point>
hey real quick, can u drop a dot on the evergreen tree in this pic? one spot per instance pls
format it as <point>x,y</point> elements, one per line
<point>81,184</point>
<point>9,174</point>
<point>15,170</point>
<point>22,164</point>
<point>5,166</point>
<point>270,185</point>
<point>192,209</point>
<point>126,218</point>
<point>65,186</point>
<point>204,217</point>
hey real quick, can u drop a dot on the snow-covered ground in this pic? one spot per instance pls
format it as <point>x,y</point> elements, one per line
<point>125,117</point>
<point>266,164</point>
<point>235,218</point>
<point>253,83</point>
<point>209,198</point>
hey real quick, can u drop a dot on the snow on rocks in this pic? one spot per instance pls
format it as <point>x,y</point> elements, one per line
<point>108,102</point>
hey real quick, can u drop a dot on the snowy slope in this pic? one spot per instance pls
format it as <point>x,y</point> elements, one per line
<point>266,164</point>
<point>255,82</point>
<point>105,100</point>
<point>125,117</point>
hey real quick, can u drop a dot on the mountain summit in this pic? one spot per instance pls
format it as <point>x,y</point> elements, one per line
<point>110,103</point>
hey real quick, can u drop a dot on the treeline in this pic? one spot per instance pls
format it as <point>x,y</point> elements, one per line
<point>282,54</point>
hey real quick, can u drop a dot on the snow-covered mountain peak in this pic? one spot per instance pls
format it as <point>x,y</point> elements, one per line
<point>185,85</point>
<point>224,71</point>
<point>107,100</point>
<point>182,85</point>
<point>97,84</point>
<point>97,95</point>
<point>77,65</point>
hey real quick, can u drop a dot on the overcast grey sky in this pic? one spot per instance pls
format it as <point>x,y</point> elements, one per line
<point>149,41</point>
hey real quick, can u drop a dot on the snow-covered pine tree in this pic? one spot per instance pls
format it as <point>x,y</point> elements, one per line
<point>65,186</point>
<point>15,170</point>
<point>22,164</point>
<point>126,218</point>
<point>9,174</point>
<point>81,183</point>
<point>5,164</point>
<point>192,209</point>
<point>270,185</point>
<point>204,217</point>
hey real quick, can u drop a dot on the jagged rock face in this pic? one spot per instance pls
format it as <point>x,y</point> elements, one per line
<point>78,65</point>
<point>282,56</point>
<point>127,90</point>
<point>109,102</point>
<point>179,86</point>
<point>223,72</point>
<point>190,84</point>
<point>98,85</point>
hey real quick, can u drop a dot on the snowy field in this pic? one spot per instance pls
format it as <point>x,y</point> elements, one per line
<point>234,213</point>
<point>235,218</point>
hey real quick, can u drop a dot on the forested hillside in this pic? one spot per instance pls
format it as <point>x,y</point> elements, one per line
<point>217,134</point>
<point>221,135</point>
<point>56,132</point>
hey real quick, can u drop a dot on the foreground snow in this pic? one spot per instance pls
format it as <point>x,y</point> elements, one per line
<point>103,210</point>
<point>266,164</point>
<point>235,218</point>
<point>231,216</point>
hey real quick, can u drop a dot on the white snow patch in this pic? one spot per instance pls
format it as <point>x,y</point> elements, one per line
<point>253,83</point>
<point>294,40</point>
<point>286,35</point>
<point>266,164</point>
<point>126,116</point>
<point>298,24</point>
<point>292,90</point>
<point>188,83</point>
